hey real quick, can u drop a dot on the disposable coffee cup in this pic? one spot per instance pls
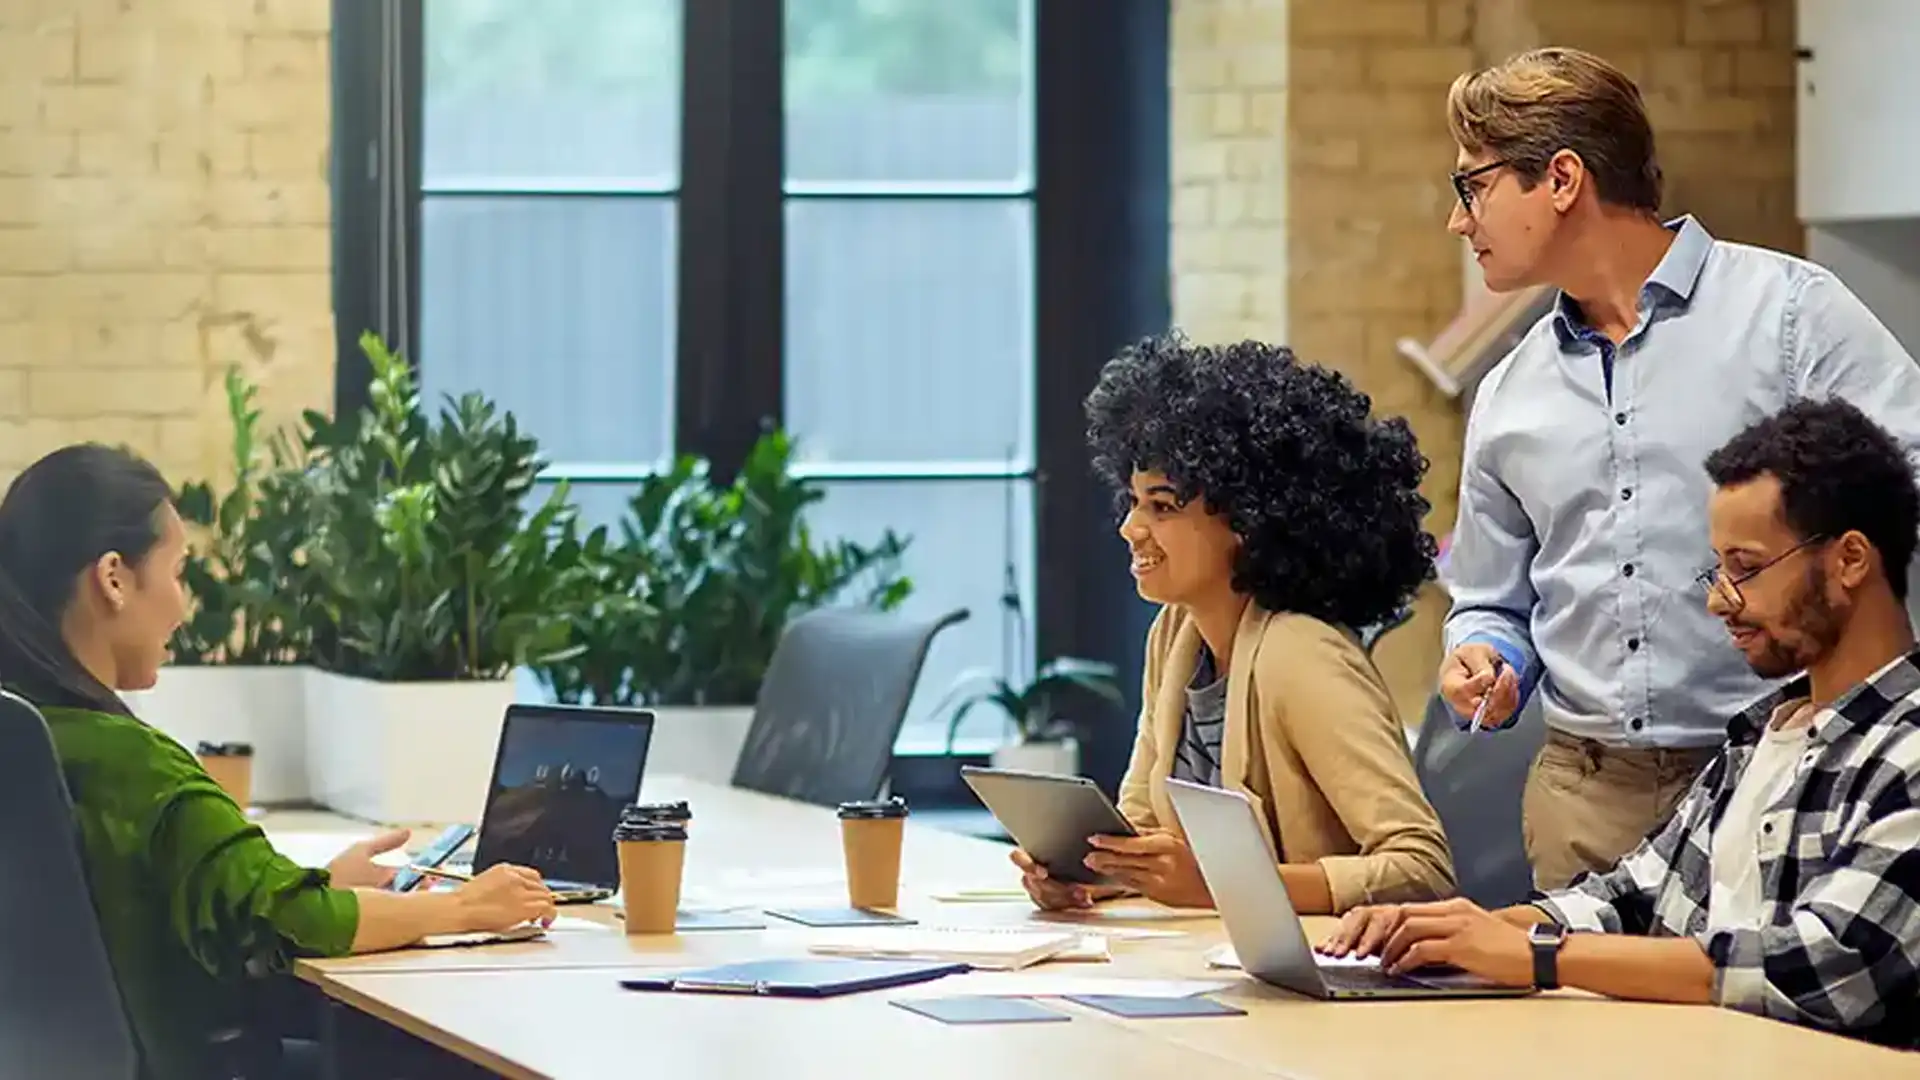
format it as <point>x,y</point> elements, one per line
<point>675,813</point>
<point>230,765</point>
<point>871,834</point>
<point>652,856</point>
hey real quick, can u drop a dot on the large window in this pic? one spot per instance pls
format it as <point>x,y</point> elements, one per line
<point>908,375</point>
<point>550,161</point>
<point>648,227</point>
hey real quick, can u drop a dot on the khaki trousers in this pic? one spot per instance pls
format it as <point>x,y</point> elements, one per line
<point>1586,804</point>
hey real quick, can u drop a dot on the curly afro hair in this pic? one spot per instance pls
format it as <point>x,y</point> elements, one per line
<point>1325,498</point>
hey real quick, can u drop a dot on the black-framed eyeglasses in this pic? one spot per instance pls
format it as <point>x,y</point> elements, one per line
<point>1461,178</point>
<point>1715,580</point>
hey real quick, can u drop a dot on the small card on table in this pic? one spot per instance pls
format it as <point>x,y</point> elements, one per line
<point>981,1010</point>
<point>1153,1008</point>
<point>844,916</point>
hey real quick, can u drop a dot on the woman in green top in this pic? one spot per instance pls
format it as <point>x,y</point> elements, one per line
<point>192,898</point>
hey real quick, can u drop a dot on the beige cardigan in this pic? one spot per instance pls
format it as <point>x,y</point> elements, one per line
<point>1312,740</point>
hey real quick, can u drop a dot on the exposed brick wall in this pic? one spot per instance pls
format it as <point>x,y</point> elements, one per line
<point>1310,149</point>
<point>1719,80</point>
<point>163,215</point>
<point>1229,170</point>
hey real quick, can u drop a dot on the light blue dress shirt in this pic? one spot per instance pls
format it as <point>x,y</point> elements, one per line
<point>1583,494</point>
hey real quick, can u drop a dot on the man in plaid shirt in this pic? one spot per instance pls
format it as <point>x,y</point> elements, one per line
<point>1787,881</point>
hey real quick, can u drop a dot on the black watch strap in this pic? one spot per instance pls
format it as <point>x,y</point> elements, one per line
<point>1546,941</point>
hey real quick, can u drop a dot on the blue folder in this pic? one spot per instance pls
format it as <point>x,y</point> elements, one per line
<point>797,978</point>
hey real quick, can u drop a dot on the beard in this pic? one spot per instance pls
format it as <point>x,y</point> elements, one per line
<point>1805,632</point>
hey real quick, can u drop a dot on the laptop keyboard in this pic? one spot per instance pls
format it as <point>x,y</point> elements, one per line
<point>1341,977</point>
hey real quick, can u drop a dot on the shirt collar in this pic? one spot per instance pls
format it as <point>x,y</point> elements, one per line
<point>1676,276</point>
<point>1862,706</point>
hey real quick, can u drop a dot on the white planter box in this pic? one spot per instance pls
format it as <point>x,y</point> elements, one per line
<point>403,753</point>
<point>265,706</point>
<point>698,742</point>
<point>1060,758</point>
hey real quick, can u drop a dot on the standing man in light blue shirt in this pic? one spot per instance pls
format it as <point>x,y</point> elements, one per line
<point>1581,540</point>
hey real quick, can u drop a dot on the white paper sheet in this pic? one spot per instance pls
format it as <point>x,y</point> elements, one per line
<point>1223,956</point>
<point>1015,895</point>
<point>1126,913</point>
<point>569,923</point>
<point>1131,933</point>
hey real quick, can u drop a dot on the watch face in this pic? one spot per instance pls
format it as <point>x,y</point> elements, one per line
<point>1547,933</point>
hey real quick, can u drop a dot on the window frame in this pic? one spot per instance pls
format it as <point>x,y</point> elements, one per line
<point>1101,200</point>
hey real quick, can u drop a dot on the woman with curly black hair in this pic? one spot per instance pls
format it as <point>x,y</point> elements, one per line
<point>1273,519</point>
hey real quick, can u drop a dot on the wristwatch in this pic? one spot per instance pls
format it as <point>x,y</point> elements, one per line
<point>1546,939</point>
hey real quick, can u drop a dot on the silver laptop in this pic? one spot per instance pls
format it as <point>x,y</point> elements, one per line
<point>1241,872</point>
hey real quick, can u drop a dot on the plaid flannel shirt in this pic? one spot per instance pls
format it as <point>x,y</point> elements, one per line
<point>1839,870</point>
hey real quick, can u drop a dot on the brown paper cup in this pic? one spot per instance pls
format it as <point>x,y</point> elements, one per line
<point>233,772</point>
<point>872,847</point>
<point>650,883</point>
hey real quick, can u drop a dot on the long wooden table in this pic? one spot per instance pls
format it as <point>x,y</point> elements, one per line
<point>554,1008</point>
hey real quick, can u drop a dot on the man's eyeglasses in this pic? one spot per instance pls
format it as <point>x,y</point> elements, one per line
<point>1715,581</point>
<point>1463,188</point>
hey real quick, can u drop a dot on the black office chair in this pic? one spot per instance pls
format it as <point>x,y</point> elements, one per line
<point>60,1009</point>
<point>1475,782</point>
<point>832,702</point>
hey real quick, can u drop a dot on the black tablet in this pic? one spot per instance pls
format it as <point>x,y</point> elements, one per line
<point>1050,816</point>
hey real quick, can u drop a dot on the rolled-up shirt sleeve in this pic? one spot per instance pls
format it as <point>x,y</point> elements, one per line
<point>236,904</point>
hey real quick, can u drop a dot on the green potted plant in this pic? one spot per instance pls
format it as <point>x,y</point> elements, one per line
<point>235,674</point>
<point>1043,738</point>
<point>693,588</point>
<point>435,580</point>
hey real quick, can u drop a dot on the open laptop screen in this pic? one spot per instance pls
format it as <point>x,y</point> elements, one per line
<point>560,778</point>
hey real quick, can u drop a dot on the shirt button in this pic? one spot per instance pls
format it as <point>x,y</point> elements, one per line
<point>1627,570</point>
<point>1633,644</point>
<point>1636,723</point>
<point>1625,494</point>
<point>1620,418</point>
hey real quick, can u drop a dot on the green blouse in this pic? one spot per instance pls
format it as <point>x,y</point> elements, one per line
<point>192,898</point>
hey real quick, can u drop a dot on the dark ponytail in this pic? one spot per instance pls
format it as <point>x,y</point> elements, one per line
<point>61,515</point>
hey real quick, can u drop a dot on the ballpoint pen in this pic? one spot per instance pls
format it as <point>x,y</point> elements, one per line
<point>439,874</point>
<point>1478,723</point>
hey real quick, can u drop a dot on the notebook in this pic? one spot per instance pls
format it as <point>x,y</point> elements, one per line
<point>525,932</point>
<point>986,948</point>
<point>811,978</point>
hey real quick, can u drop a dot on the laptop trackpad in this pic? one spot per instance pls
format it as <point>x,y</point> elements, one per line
<point>1448,977</point>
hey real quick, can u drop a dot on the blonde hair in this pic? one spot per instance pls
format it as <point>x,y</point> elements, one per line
<point>1543,101</point>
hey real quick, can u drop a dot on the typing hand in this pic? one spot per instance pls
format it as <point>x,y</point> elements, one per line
<point>1364,931</point>
<point>1461,934</point>
<point>1157,865</point>
<point>1474,675</point>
